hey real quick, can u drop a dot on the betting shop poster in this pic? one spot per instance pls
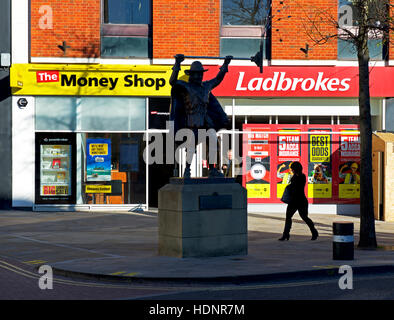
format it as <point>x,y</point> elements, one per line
<point>320,164</point>
<point>257,157</point>
<point>329,154</point>
<point>349,165</point>
<point>98,160</point>
<point>288,150</point>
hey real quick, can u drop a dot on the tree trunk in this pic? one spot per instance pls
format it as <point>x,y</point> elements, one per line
<point>367,218</point>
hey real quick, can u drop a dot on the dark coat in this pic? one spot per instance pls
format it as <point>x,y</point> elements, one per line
<point>217,117</point>
<point>296,188</point>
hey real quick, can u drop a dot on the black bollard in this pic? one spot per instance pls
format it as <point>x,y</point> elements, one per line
<point>343,241</point>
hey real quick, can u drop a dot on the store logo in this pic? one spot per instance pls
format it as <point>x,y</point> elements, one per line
<point>47,76</point>
<point>279,82</point>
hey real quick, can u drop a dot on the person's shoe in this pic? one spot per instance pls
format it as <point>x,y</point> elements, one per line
<point>284,237</point>
<point>315,234</point>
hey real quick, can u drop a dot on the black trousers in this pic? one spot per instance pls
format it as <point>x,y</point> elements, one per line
<point>303,212</point>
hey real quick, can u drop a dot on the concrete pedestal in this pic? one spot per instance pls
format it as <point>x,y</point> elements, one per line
<point>202,217</point>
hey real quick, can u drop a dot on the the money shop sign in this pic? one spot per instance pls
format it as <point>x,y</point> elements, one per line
<point>90,80</point>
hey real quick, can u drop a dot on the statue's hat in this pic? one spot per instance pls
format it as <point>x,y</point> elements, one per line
<point>196,66</point>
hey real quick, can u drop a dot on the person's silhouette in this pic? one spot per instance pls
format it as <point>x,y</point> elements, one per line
<point>298,201</point>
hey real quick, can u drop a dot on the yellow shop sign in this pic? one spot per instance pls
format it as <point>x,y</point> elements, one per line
<point>115,80</point>
<point>98,189</point>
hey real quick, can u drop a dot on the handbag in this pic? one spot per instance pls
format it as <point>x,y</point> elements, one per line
<point>286,197</point>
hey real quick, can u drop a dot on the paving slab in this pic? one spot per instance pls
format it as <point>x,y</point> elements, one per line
<point>120,245</point>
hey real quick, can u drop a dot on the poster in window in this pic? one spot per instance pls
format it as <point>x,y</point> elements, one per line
<point>288,151</point>
<point>257,169</point>
<point>319,166</point>
<point>98,160</point>
<point>349,165</point>
<point>129,157</point>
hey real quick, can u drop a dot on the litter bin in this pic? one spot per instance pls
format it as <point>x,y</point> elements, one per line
<point>343,241</point>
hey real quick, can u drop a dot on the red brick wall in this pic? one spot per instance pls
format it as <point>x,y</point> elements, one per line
<point>76,22</point>
<point>184,26</point>
<point>289,34</point>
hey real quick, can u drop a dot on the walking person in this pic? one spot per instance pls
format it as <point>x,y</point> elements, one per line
<point>298,201</point>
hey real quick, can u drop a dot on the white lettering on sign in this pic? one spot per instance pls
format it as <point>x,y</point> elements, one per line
<point>279,82</point>
<point>47,76</point>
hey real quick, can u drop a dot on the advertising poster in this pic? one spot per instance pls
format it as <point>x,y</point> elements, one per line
<point>320,164</point>
<point>129,157</point>
<point>288,151</point>
<point>98,160</point>
<point>257,169</point>
<point>349,165</point>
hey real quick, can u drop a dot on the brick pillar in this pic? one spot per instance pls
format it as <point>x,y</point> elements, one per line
<point>188,27</point>
<point>289,33</point>
<point>76,22</point>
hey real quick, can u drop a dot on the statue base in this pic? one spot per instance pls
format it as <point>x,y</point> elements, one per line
<point>202,217</point>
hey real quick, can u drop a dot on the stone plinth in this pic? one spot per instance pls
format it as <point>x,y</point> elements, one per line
<point>202,217</point>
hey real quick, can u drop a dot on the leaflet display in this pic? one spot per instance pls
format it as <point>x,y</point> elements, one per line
<point>54,168</point>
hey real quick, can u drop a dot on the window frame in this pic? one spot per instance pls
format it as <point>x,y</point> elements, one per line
<point>127,31</point>
<point>246,31</point>
<point>372,35</point>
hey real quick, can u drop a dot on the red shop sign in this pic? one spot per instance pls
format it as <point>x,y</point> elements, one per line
<point>301,82</point>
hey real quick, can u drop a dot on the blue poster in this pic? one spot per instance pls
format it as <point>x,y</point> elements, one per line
<point>98,160</point>
<point>129,157</point>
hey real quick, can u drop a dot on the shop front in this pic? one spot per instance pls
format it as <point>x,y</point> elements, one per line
<point>88,126</point>
<point>305,114</point>
<point>80,134</point>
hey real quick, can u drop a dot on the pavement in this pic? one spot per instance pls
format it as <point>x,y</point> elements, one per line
<point>124,246</point>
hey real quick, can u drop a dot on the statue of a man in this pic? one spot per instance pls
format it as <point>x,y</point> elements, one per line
<point>193,105</point>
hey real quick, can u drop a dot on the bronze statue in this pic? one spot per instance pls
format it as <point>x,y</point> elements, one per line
<point>193,105</point>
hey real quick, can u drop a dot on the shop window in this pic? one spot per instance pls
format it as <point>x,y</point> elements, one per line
<point>159,112</point>
<point>348,19</point>
<point>245,12</point>
<point>90,113</point>
<point>240,47</point>
<point>244,24</point>
<point>349,120</point>
<point>320,120</point>
<point>390,115</point>
<point>125,47</point>
<point>258,119</point>
<point>289,120</point>
<point>126,29</point>
<point>56,113</point>
<point>127,12</point>
<point>111,168</point>
<point>348,51</point>
<point>112,114</point>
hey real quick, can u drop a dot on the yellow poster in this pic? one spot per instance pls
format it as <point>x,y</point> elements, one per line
<point>280,189</point>
<point>98,189</point>
<point>349,191</point>
<point>257,190</point>
<point>98,149</point>
<point>320,150</point>
<point>320,191</point>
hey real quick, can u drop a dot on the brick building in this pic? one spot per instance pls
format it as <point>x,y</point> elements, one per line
<point>90,79</point>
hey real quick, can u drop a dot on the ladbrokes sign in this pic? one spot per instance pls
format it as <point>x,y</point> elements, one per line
<point>119,80</point>
<point>303,82</point>
<point>280,82</point>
